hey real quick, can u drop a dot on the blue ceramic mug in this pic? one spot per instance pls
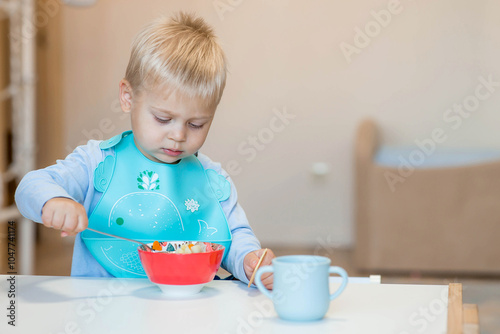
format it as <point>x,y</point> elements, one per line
<point>300,287</point>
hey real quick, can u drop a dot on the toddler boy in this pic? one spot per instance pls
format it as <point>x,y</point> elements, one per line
<point>151,182</point>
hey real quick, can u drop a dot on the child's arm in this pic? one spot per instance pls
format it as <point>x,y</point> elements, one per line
<point>60,189</point>
<point>245,246</point>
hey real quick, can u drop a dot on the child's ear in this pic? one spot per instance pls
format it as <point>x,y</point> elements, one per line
<point>125,95</point>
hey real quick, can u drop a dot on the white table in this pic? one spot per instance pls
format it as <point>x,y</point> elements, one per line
<point>54,305</point>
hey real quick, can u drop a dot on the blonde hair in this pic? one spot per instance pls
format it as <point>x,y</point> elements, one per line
<point>182,53</point>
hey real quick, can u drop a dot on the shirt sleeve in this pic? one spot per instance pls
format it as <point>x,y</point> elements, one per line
<point>68,178</point>
<point>244,240</point>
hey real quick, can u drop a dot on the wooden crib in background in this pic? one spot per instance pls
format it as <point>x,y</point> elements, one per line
<point>439,220</point>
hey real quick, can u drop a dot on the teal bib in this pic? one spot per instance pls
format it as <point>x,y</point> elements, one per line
<point>146,201</point>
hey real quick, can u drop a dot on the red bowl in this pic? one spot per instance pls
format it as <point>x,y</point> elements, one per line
<point>181,269</point>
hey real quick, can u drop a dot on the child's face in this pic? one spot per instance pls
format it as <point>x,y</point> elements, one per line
<point>168,127</point>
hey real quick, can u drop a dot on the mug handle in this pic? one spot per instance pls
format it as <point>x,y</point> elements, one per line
<point>342,273</point>
<point>258,282</point>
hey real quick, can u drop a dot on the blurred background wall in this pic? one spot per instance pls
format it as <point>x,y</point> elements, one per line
<point>4,66</point>
<point>302,76</point>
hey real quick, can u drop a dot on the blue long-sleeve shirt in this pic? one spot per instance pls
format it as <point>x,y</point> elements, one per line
<point>73,178</point>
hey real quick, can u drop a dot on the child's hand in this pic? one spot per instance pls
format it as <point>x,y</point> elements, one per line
<point>64,214</point>
<point>250,262</point>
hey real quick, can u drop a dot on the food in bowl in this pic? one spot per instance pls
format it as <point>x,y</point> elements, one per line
<point>182,247</point>
<point>180,270</point>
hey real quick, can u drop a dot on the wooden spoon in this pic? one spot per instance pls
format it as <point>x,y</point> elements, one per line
<point>257,267</point>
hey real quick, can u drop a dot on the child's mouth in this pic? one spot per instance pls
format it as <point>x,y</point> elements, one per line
<point>172,153</point>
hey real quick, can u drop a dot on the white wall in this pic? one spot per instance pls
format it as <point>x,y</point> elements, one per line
<point>286,55</point>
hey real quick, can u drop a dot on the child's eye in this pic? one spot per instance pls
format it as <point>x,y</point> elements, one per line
<point>162,120</point>
<point>195,126</point>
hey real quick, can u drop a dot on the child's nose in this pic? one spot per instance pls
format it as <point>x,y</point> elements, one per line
<point>178,133</point>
